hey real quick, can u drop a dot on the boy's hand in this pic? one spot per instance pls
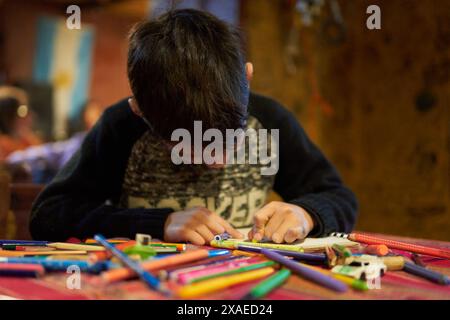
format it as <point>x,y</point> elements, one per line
<point>197,225</point>
<point>281,222</point>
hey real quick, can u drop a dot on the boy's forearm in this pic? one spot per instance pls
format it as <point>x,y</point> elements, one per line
<point>332,210</point>
<point>55,223</point>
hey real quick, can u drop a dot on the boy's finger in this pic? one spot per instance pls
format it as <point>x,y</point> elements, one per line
<point>205,233</point>
<point>273,224</point>
<point>212,224</point>
<point>278,236</point>
<point>293,234</point>
<point>228,228</point>
<point>256,234</point>
<point>261,218</point>
<point>250,234</point>
<point>194,238</point>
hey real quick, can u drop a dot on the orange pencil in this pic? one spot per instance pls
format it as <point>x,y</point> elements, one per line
<point>246,253</point>
<point>104,255</point>
<point>125,273</point>
<point>377,249</point>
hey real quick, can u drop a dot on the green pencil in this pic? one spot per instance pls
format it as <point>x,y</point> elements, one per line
<point>234,271</point>
<point>266,286</point>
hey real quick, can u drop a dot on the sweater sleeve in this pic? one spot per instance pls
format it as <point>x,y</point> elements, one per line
<point>79,202</point>
<point>305,177</point>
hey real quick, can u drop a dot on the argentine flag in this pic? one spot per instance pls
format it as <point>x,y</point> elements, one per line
<point>63,58</point>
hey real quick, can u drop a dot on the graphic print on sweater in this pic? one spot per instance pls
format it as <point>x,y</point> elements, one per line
<point>235,192</point>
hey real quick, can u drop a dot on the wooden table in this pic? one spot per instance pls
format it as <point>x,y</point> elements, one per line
<point>394,285</point>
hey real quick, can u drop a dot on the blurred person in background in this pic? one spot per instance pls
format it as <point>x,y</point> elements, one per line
<point>44,161</point>
<point>16,122</point>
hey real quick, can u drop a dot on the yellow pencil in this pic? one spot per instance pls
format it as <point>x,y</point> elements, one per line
<point>234,244</point>
<point>74,246</point>
<point>208,286</point>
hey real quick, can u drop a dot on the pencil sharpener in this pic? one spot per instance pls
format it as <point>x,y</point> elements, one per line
<point>143,239</point>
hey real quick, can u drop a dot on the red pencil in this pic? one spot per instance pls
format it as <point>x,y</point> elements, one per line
<point>21,270</point>
<point>392,244</point>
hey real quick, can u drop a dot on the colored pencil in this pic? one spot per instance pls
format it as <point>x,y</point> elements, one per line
<point>246,253</point>
<point>377,249</point>
<point>148,278</point>
<point>21,270</point>
<point>104,255</point>
<point>212,285</point>
<point>263,288</point>
<point>319,257</point>
<point>13,247</point>
<point>9,253</point>
<point>174,271</point>
<point>24,242</point>
<point>240,269</point>
<point>428,274</point>
<point>112,241</point>
<point>234,244</point>
<point>179,246</point>
<point>306,272</point>
<point>60,265</point>
<point>219,267</point>
<point>352,282</point>
<point>75,246</point>
<point>392,244</point>
<point>189,256</point>
<point>188,276</point>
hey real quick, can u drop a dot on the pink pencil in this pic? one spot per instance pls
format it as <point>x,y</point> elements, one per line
<point>188,271</point>
<point>185,278</point>
<point>173,275</point>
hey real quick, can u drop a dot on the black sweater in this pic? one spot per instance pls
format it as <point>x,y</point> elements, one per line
<point>85,197</point>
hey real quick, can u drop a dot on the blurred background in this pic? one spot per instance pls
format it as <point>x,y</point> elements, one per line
<point>376,101</point>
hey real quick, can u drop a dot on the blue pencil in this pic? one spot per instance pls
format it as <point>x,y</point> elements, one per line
<point>426,273</point>
<point>24,242</point>
<point>149,279</point>
<point>61,265</point>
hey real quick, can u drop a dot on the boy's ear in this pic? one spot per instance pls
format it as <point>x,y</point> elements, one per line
<point>249,70</point>
<point>134,107</point>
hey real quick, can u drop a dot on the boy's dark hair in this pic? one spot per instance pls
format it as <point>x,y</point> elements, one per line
<point>187,65</point>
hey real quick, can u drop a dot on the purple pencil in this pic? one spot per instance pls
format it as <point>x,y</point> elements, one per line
<point>306,272</point>
<point>310,257</point>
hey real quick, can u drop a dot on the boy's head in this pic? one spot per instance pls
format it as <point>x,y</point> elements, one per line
<point>187,65</point>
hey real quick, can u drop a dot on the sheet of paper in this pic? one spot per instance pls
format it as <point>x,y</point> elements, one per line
<point>311,244</point>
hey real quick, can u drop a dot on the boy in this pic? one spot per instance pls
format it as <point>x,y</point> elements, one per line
<point>184,67</point>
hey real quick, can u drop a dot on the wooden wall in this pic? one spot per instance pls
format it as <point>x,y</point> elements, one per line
<point>377,102</point>
<point>109,83</point>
